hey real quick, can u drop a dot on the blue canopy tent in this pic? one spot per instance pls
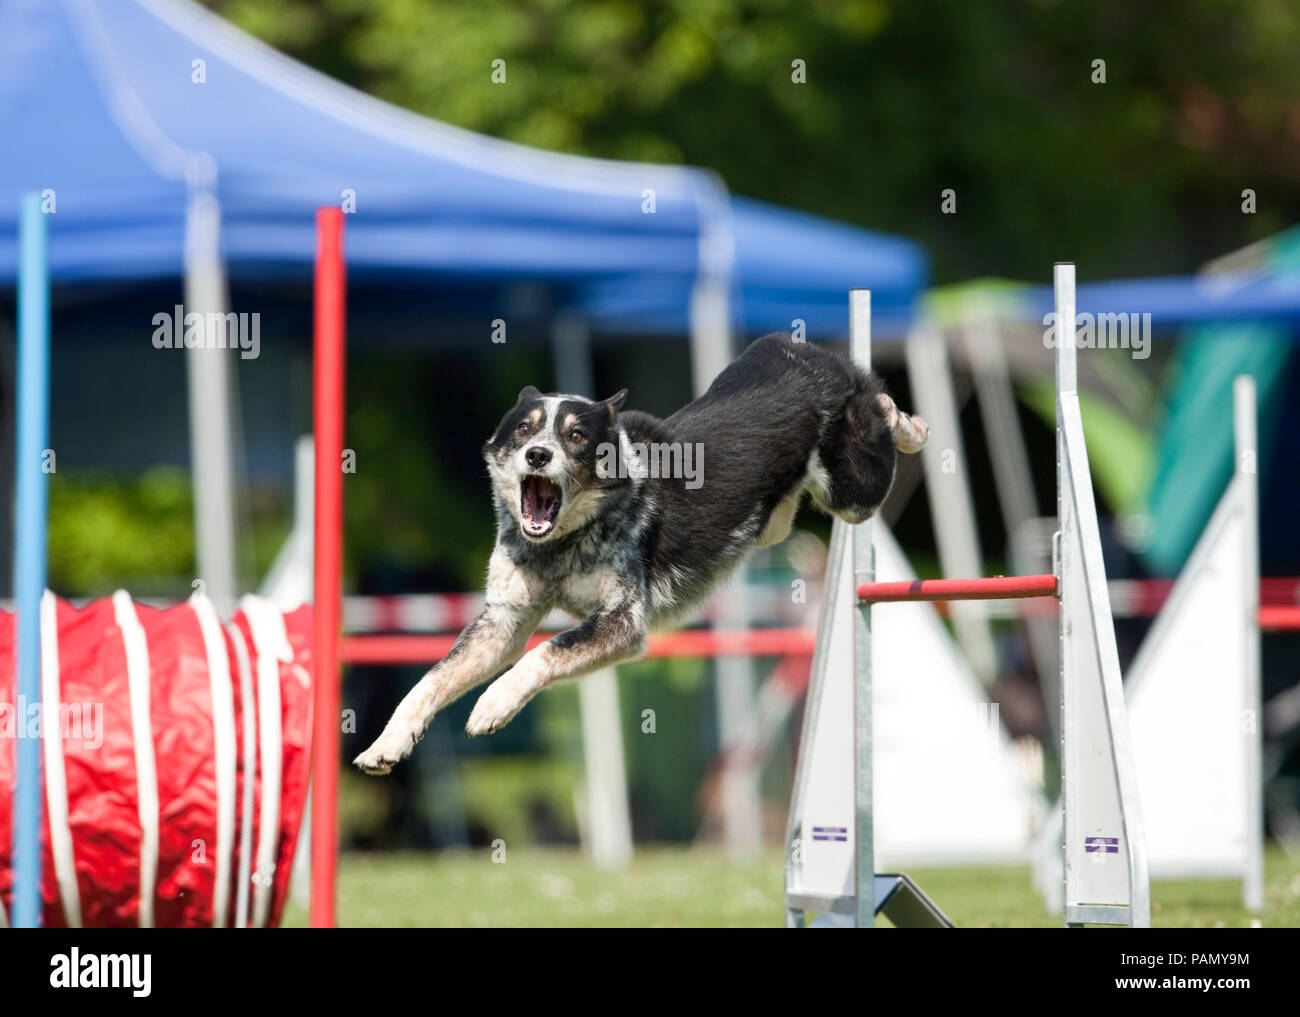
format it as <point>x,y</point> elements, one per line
<point>169,144</point>
<point>788,265</point>
<point>100,106</point>
<point>1182,300</point>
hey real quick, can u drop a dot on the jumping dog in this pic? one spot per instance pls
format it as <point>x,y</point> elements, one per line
<point>589,521</point>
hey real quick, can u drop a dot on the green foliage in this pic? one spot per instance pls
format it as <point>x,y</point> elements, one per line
<point>407,504</point>
<point>1119,452</point>
<point>903,99</point>
<point>108,531</point>
<point>503,793</point>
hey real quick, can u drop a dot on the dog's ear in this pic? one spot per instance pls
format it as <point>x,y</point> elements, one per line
<point>614,402</point>
<point>527,394</point>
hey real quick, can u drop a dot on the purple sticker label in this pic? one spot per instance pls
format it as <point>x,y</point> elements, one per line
<point>1107,845</point>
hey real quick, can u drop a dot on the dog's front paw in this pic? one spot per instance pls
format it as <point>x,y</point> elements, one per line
<point>389,749</point>
<point>495,708</point>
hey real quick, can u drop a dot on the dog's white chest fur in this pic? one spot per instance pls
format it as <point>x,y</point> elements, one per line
<point>584,593</point>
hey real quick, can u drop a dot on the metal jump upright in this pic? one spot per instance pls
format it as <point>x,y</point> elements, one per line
<point>830,859</point>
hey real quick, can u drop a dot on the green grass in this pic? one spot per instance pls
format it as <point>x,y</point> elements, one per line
<point>678,887</point>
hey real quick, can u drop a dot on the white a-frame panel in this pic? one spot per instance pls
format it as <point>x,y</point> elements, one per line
<point>1194,697</point>
<point>1187,711</point>
<point>1105,849</point>
<point>820,836</point>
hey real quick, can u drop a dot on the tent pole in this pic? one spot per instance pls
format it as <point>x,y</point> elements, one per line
<point>947,479</point>
<point>1015,480</point>
<point>737,716</point>
<point>609,821</point>
<point>208,375</point>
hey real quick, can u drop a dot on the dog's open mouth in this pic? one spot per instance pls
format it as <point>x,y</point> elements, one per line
<point>539,504</point>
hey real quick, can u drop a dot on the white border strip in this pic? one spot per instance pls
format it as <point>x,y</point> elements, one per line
<point>138,681</point>
<point>271,645</point>
<point>249,718</point>
<point>223,741</point>
<point>56,776</point>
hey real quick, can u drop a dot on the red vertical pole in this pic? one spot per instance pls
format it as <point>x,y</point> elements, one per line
<point>328,423</point>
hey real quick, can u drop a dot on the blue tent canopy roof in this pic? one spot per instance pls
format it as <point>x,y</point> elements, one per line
<point>1176,300</point>
<point>789,265</point>
<point>99,106</point>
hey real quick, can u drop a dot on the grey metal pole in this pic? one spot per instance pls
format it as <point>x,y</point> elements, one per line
<point>1247,472</point>
<point>737,719</point>
<point>208,377</point>
<point>609,821</point>
<point>997,404</point>
<point>1066,381</point>
<point>1015,480</point>
<point>864,571</point>
<point>947,478</point>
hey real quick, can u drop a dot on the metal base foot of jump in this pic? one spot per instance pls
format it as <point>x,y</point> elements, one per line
<point>896,897</point>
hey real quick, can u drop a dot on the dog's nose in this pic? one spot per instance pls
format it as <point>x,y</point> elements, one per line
<point>538,457</point>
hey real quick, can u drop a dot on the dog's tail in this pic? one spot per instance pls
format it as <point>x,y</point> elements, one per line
<point>910,432</point>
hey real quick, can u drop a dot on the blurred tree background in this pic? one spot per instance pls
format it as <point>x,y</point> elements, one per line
<point>1141,174</point>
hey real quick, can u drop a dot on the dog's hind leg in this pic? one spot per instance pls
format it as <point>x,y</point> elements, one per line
<point>859,452</point>
<point>490,643</point>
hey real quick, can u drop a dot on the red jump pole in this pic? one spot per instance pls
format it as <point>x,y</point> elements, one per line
<point>419,649</point>
<point>999,588</point>
<point>328,425</point>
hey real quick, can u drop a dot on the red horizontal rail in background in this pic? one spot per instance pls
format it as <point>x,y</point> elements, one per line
<point>411,649</point>
<point>996,588</point>
<point>1280,617</point>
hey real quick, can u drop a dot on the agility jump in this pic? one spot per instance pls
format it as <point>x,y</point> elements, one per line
<point>830,858</point>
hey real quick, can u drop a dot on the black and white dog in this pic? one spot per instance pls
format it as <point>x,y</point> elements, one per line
<point>628,521</point>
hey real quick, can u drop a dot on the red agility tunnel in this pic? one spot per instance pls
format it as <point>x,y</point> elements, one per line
<point>175,761</point>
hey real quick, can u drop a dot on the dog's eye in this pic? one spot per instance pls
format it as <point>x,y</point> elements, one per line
<point>522,429</point>
<point>577,437</point>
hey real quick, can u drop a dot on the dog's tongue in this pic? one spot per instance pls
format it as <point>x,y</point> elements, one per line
<point>539,499</point>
